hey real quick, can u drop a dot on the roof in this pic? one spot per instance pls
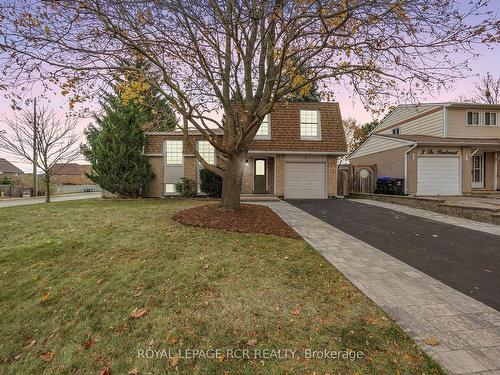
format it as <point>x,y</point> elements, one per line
<point>428,139</point>
<point>7,167</point>
<point>71,169</point>
<point>191,131</point>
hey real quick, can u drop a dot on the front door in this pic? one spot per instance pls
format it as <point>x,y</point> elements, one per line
<point>260,176</point>
<point>478,171</point>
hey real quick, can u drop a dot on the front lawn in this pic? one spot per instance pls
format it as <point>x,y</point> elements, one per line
<point>92,285</point>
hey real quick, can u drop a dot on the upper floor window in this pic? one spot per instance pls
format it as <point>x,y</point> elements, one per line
<point>173,152</point>
<point>490,118</point>
<point>473,117</point>
<point>396,131</point>
<point>206,151</point>
<point>309,124</point>
<point>264,131</point>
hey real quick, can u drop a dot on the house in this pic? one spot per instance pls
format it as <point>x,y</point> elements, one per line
<point>71,174</point>
<point>7,169</point>
<point>294,154</point>
<point>438,148</point>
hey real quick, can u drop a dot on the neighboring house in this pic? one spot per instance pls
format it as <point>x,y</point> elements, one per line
<point>438,148</point>
<point>7,169</point>
<point>71,174</point>
<point>293,155</point>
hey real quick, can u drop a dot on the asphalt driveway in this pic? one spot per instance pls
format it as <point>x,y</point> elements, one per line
<point>465,259</point>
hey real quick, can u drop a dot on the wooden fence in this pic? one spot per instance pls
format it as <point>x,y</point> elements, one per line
<point>356,179</point>
<point>11,191</point>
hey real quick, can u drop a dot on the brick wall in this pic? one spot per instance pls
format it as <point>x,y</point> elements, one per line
<point>280,175</point>
<point>156,185</point>
<point>332,176</point>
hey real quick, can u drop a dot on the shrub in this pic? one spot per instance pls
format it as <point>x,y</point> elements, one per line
<point>210,183</point>
<point>186,187</point>
<point>6,180</point>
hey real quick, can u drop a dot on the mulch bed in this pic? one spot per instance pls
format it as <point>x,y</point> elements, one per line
<point>250,219</point>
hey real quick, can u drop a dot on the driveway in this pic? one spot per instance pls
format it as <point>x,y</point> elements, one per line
<point>55,198</point>
<point>464,259</point>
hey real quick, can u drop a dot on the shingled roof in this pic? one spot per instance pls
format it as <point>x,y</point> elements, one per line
<point>7,167</point>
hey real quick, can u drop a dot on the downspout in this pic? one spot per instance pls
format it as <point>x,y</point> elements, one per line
<point>497,158</point>
<point>445,119</point>
<point>406,166</point>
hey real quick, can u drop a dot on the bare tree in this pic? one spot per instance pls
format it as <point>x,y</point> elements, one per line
<point>488,89</point>
<point>241,57</point>
<point>56,142</point>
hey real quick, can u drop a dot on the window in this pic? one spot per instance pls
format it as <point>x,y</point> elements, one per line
<point>490,118</point>
<point>309,124</point>
<point>473,118</point>
<point>395,131</point>
<point>169,188</point>
<point>260,167</point>
<point>173,153</point>
<point>264,131</point>
<point>206,151</point>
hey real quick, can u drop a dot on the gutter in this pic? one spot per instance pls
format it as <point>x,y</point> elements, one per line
<point>406,165</point>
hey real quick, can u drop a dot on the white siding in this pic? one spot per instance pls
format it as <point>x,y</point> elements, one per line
<point>457,127</point>
<point>376,144</point>
<point>431,124</point>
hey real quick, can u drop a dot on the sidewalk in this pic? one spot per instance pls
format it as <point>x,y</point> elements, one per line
<point>55,198</point>
<point>467,330</point>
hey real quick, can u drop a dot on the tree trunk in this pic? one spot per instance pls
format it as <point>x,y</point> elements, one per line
<point>231,182</point>
<point>47,188</point>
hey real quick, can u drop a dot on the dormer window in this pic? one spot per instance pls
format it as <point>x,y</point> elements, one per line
<point>490,118</point>
<point>473,118</point>
<point>310,125</point>
<point>395,131</point>
<point>264,131</point>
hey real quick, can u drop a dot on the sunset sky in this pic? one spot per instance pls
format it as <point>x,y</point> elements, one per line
<point>488,61</point>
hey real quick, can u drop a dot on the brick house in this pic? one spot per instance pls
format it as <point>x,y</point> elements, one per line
<point>294,154</point>
<point>71,174</point>
<point>438,148</point>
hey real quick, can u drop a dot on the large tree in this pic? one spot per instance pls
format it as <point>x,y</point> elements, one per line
<point>207,52</point>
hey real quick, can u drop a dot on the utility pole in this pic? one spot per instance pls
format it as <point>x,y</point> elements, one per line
<point>35,179</point>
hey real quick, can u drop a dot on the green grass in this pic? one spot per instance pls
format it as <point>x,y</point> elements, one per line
<point>97,261</point>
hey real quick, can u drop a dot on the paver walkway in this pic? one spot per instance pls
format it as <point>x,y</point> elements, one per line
<point>468,331</point>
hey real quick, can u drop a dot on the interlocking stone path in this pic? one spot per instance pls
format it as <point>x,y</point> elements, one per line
<point>468,331</point>
<point>458,221</point>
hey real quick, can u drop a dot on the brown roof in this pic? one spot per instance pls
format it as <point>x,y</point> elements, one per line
<point>428,139</point>
<point>7,167</point>
<point>70,169</point>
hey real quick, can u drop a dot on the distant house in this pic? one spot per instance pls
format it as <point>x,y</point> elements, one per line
<point>71,174</point>
<point>7,169</point>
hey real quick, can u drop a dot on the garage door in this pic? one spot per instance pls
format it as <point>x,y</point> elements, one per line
<point>438,176</point>
<point>305,180</point>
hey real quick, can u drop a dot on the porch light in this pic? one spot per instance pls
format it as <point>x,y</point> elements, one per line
<point>246,163</point>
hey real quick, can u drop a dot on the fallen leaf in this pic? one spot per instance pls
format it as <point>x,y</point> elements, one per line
<point>206,266</point>
<point>173,340</point>
<point>252,342</point>
<point>431,341</point>
<point>174,361</point>
<point>17,357</point>
<point>105,371</point>
<point>435,236</point>
<point>45,296</point>
<point>99,281</point>
<point>285,258</point>
<point>138,313</point>
<point>297,310</point>
<point>89,343</point>
<point>221,358</point>
<point>47,357</point>
<point>33,342</point>
<point>134,371</point>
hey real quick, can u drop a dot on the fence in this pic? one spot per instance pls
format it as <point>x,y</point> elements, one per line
<point>67,189</point>
<point>356,179</point>
<point>11,191</point>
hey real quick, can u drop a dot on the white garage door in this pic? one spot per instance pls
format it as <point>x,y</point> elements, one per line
<point>305,180</point>
<point>438,176</point>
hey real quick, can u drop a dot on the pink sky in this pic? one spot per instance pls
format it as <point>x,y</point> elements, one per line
<point>489,61</point>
